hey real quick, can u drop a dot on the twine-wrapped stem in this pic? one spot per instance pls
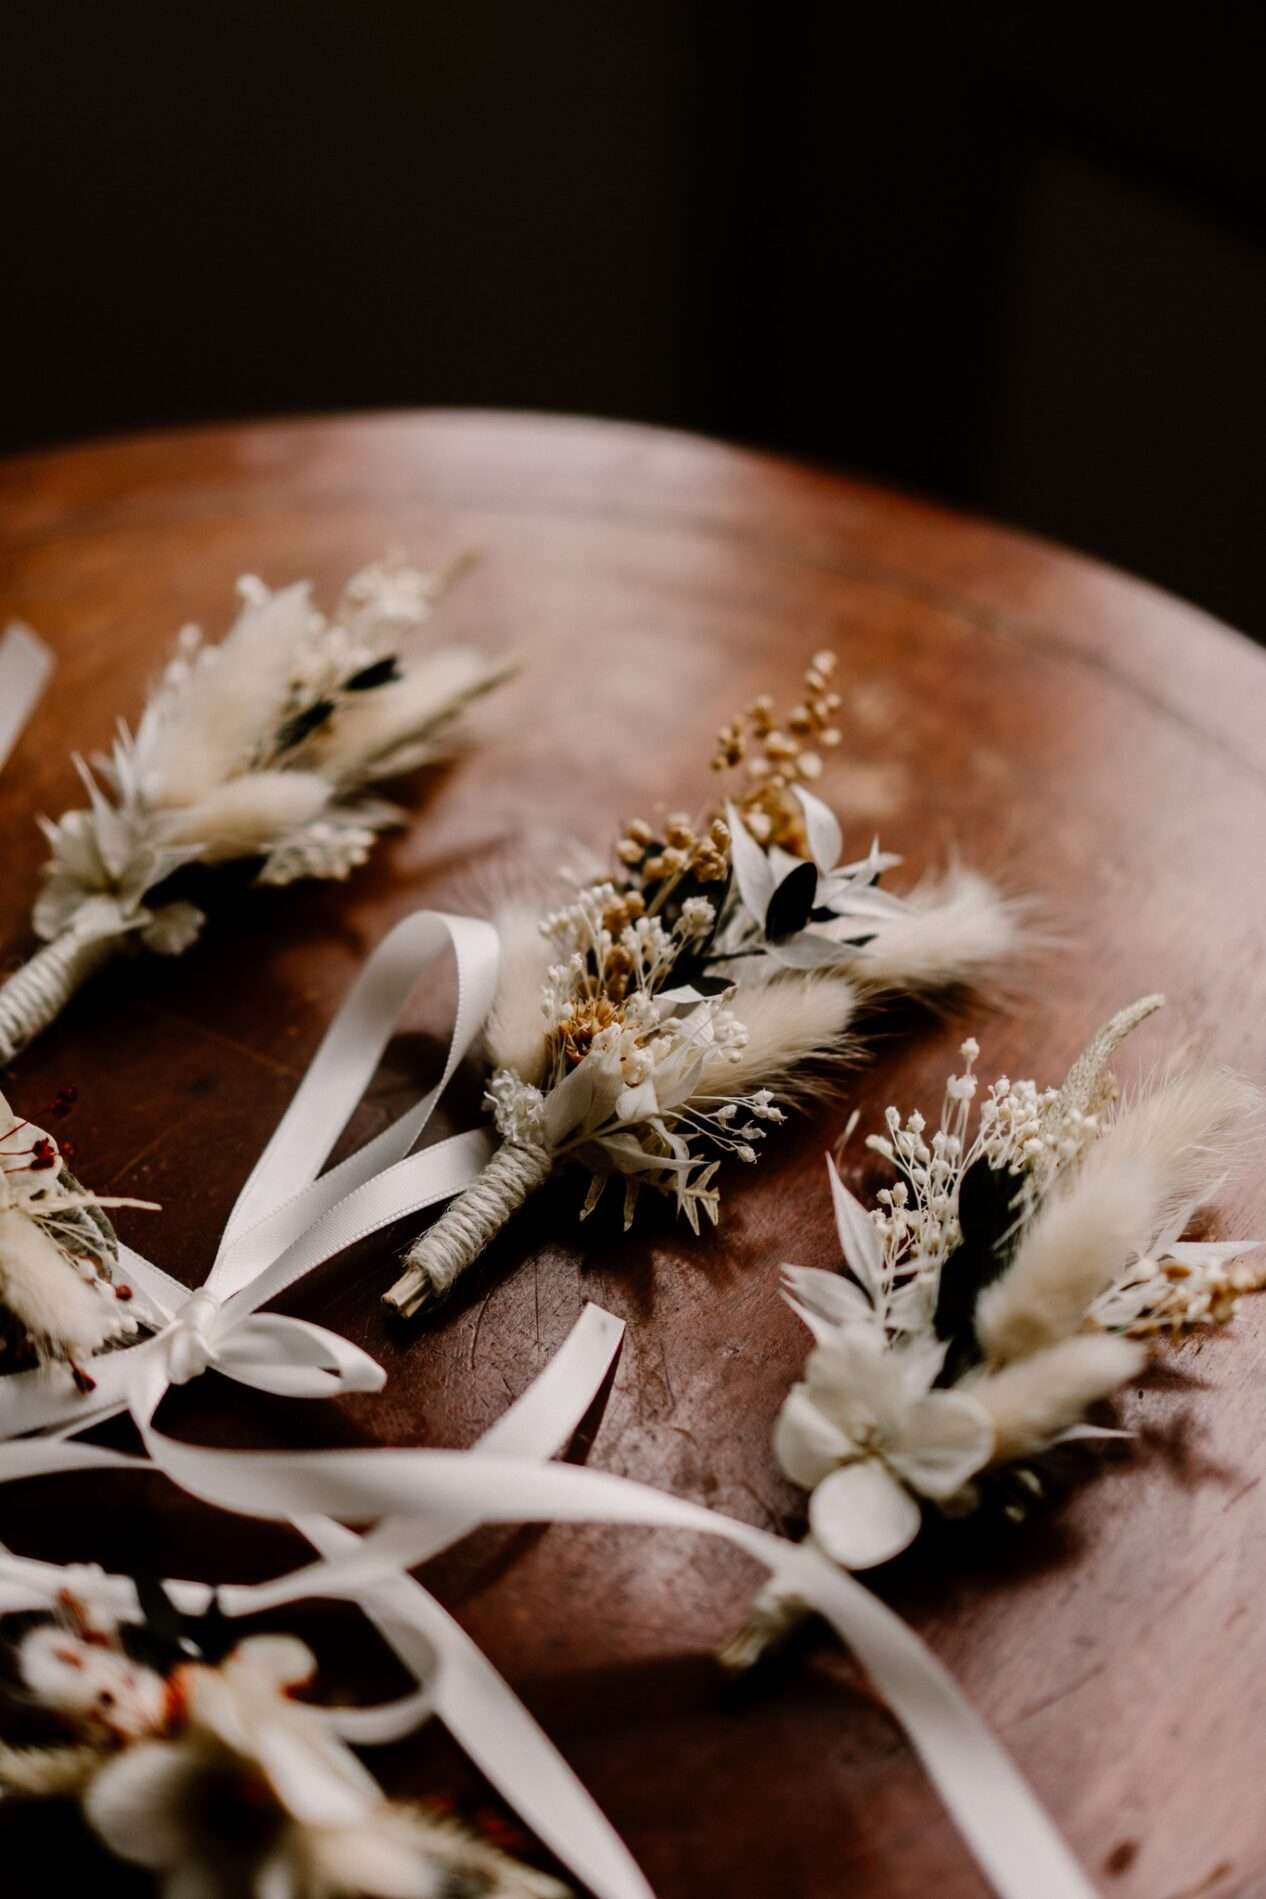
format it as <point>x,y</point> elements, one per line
<point>36,994</point>
<point>437,1260</point>
<point>774,1617</point>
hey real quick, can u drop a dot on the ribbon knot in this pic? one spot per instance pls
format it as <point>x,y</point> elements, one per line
<point>191,1338</point>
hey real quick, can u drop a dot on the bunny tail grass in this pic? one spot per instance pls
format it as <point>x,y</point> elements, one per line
<point>36,994</point>
<point>47,1772</point>
<point>436,1261</point>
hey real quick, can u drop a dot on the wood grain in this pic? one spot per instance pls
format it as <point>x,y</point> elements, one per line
<point>1079,733</point>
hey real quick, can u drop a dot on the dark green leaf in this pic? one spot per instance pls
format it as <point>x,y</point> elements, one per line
<point>689,970</point>
<point>986,1212</point>
<point>792,902</point>
<point>383,672</point>
<point>986,1203</point>
<point>304,724</point>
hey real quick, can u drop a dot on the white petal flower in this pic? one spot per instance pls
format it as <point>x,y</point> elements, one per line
<point>864,1431</point>
<point>940,1442</point>
<point>173,928</point>
<point>141,1803</point>
<point>861,1515</point>
<point>807,1444</point>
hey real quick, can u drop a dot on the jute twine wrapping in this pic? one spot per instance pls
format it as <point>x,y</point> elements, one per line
<point>775,1615</point>
<point>38,992</point>
<point>436,1261</point>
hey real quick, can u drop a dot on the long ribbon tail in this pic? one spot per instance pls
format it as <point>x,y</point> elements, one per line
<point>436,1261</point>
<point>36,994</point>
<point>492,1725</point>
<point>1010,1834</point>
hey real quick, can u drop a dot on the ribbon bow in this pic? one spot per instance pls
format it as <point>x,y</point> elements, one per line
<point>287,1219</point>
<point>288,1357</point>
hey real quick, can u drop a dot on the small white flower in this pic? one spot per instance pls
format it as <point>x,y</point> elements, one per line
<point>696,919</point>
<point>519,1109</point>
<point>866,1434</point>
<point>173,929</point>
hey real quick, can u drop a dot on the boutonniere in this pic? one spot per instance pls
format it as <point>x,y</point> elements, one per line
<point>264,746</point>
<point>650,1028</point>
<point>207,1769</point>
<point>1026,1259</point>
<point>61,1298</point>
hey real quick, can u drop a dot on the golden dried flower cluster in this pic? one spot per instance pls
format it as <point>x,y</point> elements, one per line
<point>1196,1296</point>
<point>777,754</point>
<point>589,1017</point>
<point>706,856</point>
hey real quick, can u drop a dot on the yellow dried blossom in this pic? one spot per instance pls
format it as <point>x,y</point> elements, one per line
<point>588,1018</point>
<point>708,865</point>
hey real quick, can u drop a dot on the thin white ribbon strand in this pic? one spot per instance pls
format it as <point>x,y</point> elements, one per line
<point>1010,1833</point>
<point>26,666</point>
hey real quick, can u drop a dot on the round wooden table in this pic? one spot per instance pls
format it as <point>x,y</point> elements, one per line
<point>1075,731</point>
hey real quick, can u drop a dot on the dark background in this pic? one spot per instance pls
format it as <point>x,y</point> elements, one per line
<point>1008,257</point>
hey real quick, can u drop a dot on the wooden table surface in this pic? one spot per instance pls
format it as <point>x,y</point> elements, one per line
<point>1075,731</point>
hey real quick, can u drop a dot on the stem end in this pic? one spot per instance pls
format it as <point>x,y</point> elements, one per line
<point>412,1292</point>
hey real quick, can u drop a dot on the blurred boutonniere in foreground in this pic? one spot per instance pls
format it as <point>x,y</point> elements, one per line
<point>219,1780</point>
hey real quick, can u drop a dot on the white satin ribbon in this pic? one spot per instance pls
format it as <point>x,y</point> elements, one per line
<point>287,1220</point>
<point>423,1499</point>
<point>1011,1835</point>
<point>26,666</point>
<point>455,1680</point>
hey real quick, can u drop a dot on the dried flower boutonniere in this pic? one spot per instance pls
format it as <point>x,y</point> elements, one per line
<point>263,746</point>
<point>1011,1278</point>
<point>60,1298</point>
<point>221,1782</point>
<point>649,1028</point>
